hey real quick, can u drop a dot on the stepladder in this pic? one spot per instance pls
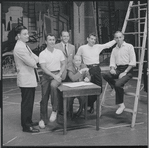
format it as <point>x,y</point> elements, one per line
<point>136,16</point>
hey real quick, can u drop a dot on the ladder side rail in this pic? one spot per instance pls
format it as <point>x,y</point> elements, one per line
<point>127,16</point>
<point>140,73</point>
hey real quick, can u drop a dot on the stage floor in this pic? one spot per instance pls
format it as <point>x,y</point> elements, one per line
<point>115,130</point>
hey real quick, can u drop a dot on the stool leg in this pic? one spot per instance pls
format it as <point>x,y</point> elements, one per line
<point>103,99</point>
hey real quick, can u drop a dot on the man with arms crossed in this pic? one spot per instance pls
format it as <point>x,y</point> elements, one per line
<point>26,62</point>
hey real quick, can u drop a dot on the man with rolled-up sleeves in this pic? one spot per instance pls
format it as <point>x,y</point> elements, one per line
<point>122,61</point>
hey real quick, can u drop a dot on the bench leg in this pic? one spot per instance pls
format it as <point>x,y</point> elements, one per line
<point>85,109</point>
<point>97,113</point>
<point>65,115</point>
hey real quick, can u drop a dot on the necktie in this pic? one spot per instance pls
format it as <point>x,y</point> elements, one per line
<point>37,77</point>
<point>66,51</point>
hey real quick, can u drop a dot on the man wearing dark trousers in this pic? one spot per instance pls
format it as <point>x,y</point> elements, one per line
<point>90,55</point>
<point>122,61</point>
<point>26,64</point>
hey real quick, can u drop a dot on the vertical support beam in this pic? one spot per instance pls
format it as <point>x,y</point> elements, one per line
<point>79,25</point>
<point>148,54</point>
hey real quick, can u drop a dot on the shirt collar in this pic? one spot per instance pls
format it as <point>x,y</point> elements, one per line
<point>64,44</point>
<point>46,50</point>
<point>124,43</point>
<point>22,42</point>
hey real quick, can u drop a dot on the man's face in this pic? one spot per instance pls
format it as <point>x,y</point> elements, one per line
<point>65,37</point>
<point>119,38</point>
<point>24,36</point>
<point>50,41</point>
<point>77,61</point>
<point>91,40</point>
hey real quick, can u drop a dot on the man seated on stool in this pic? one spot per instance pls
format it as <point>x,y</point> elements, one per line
<point>122,61</point>
<point>77,71</point>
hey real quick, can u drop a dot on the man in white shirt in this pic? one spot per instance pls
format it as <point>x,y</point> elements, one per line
<point>90,55</point>
<point>122,61</point>
<point>52,62</point>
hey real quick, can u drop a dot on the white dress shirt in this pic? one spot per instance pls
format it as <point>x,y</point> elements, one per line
<point>125,55</point>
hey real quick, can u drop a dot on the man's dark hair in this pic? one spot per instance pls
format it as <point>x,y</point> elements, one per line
<point>50,34</point>
<point>63,31</point>
<point>92,34</point>
<point>19,28</point>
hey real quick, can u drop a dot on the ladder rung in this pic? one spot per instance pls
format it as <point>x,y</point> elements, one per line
<point>130,94</point>
<point>133,33</point>
<point>145,4</point>
<point>135,78</point>
<point>128,110</point>
<point>135,19</point>
<point>140,47</point>
<point>142,23</point>
<point>143,9</point>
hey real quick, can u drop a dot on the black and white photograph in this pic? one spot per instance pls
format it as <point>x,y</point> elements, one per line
<point>74,73</point>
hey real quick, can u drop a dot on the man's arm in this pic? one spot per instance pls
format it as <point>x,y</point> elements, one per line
<point>45,70</point>
<point>106,45</point>
<point>26,57</point>
<point>63,65</point>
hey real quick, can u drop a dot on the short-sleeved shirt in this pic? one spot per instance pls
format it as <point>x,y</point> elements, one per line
<point>52,59</point>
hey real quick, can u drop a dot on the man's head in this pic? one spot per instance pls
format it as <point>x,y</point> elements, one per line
<point>119,37</point>
<point>65,37</point>
<point>91,39</point>
<point>77,60</point>
<point>22,33</point>
<point>50,40</point>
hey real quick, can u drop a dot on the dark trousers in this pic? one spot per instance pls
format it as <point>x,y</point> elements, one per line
<point>27,102</point>
<point>116,83</point>
<point>48,87</point>
<point>96,78</point>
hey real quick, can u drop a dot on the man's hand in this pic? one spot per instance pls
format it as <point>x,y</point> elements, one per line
<point>57,78</point>
<point>112,71</point>
<point>122,75</point>
<point>86,79</point>
<point>84,69</point>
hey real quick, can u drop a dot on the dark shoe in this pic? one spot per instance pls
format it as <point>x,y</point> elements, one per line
<point>91,110</point>
<point>34,124</point>
<point>31,130</point>
<point>61,113</point>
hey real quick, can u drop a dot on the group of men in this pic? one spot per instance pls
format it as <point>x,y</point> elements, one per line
<point>60,63</point>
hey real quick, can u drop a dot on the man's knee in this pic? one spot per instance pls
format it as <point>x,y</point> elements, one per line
<point>105,75</point>
<point>54,84</point>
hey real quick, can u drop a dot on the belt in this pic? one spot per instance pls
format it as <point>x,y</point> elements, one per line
<point>92,65</point>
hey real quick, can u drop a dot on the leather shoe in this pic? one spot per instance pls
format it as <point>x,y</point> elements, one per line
<point>91,110</point>
<point>31,130</point>
<point>34,124</point>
